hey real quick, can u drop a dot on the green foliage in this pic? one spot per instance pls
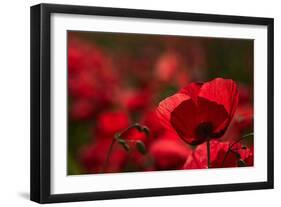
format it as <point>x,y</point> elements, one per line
<point>141,147</point>
<point>72,167</point>
<point>169,90</point>
<point>78,135</point>
<point>242,163</point>
<point>124,144</point>
<point>230,59</point>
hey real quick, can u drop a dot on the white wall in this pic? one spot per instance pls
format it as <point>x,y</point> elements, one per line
<point>14,101</point>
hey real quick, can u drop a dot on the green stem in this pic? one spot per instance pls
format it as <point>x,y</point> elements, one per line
<point>108,155</point>
<point>230,147</point>
<point>208,153</point>
<point>116,137</point>
<point>129,128</point>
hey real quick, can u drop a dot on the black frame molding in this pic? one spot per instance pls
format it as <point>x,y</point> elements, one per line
<point>40,180</point>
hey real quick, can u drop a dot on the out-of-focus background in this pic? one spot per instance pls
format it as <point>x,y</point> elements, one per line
<point>116,80</point>
<point>15,155</point>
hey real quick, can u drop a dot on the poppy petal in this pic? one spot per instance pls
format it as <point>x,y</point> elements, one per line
<point>184,121</point>
<point>221,91</point>
<point>192,90</point>
<point>196,122</point>
<point>169,153</point>
<point>167,106</point>
<point>200,111</point>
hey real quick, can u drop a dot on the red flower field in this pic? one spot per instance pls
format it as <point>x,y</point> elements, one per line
<point>150,102</point>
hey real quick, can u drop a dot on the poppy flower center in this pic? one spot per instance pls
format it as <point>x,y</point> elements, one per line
<point>204,130</point>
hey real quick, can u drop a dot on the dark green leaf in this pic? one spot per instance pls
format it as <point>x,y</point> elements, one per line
<point>146,130</point>
<point>124,144</point>
<point>126,147</point>
<point>242,163</point>
<point>141,147</point>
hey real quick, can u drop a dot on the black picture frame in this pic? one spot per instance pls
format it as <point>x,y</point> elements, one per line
<point>41,96</point>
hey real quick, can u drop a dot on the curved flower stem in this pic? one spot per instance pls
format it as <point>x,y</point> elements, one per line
<point>230,147</point>
<point>108,155</point>
<point>116,138</point>
<point>129,128</point>
<point>208,153</point>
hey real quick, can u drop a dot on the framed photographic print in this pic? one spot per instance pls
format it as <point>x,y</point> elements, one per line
<point>132,103</point>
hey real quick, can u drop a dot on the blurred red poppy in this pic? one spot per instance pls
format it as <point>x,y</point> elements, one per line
<point>92,157</point>
<point>151,120</point>
<point>89,72</point>
<point>169,152</point>
<point>134,135</point>
<point>81,109</point>
<point>245,116</point>
<point>111,122</point>
<point>245,94</point>
<point>241,124</point>
<point>200,111</point>
<point>170,68</point>
<point>220,156</point>
<point>136,100</point>
<point>136,160</point>
<point>166,66</point>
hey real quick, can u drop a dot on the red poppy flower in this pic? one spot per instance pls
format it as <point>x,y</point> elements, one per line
<point>167,66</point>
<point>92,157</point>
<point>244,117</point>
<point>84,55</point>
<point>109,123</point>
<point>171,68</point>
<point>169,152</point>
<point>151,120</point>
<point>241,124</point>
<point>220,157</point>
<point>136,100</point>
<point>81,110</point>
<point>90,70</point>
<point>136,160</point>
<point>200,111</point>
<point>245,94</point>
<point>134,135</point>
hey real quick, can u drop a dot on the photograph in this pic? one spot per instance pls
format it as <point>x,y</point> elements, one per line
<point>129,103</point>
<point>151,102</point>
<point>140,103</point>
